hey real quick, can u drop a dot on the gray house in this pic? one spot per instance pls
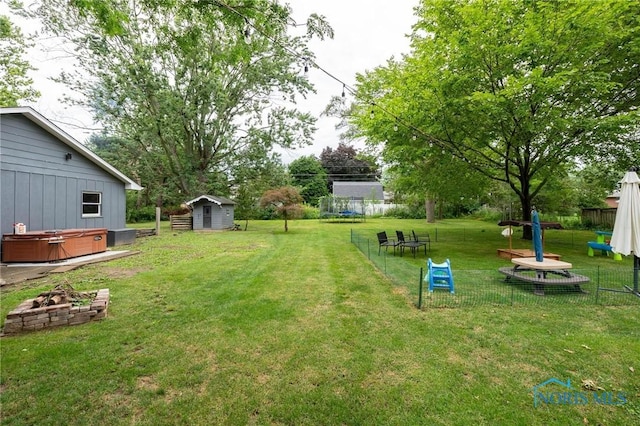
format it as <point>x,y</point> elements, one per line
<point>50,181</point>
<point>358,190</point>
<point>211,212</point>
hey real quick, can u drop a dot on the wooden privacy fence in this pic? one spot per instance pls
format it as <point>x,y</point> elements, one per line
<point>604,218</point>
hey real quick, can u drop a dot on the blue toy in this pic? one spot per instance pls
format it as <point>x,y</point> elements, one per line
<point>439,275</point>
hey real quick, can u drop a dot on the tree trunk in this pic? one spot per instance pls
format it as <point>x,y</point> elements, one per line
<point>430,210</point>
<point>525,201</point>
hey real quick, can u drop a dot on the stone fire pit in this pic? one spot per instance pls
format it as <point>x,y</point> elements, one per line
<point>27,318</point>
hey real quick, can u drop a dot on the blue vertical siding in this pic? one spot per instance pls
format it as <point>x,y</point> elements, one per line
<point>36,201</point>
<point>44,190</point>
<point>21,202</point>
<point>50,202</point>
<point>70,199</point>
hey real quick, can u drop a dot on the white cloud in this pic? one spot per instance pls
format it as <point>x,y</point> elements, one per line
<point>367,34</point>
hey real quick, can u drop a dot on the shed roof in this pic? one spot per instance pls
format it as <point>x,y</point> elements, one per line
<point>65,138</point>
<point>212,199</point>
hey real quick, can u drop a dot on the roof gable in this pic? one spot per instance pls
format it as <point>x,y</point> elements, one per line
<point>65,138</point>
<point>212,199</point>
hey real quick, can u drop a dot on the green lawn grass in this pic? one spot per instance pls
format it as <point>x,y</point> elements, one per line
<point>267,327</point>
<point>472,247</point>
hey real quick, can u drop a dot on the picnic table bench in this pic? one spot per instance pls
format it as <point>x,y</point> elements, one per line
<point>528,269</point>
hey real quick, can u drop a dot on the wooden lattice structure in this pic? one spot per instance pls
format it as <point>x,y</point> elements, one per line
<point>181,222</point>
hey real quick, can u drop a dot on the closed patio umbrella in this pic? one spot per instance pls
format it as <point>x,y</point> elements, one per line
<point>626,229</point>
<point>537,236</point>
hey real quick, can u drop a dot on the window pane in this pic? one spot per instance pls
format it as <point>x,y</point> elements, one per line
<point>90,209</point>
<point>91,204</point>
<point>88,197</point>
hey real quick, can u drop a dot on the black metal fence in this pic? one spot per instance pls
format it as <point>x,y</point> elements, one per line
<point>607,287</point>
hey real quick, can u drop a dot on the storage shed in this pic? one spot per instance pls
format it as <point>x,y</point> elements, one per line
<point>210,212</point>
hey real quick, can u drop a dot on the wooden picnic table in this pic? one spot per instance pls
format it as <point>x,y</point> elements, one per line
<point>558,268</point>
<point>541,267</point>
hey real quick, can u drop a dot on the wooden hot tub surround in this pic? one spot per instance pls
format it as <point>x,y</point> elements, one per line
<point>48,246</point>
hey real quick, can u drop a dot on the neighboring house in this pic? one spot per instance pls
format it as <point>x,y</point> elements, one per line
<point>365,197</point>
<point>211,212</point>
<point>613,199</point>
<point>359,190</point>
<point>50,181</point>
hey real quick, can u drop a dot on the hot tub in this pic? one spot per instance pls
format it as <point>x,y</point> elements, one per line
<point>48,246</point>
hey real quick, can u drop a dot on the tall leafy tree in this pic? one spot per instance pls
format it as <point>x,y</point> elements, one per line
<point>201,82</point>
<point>15,83</point>
<point>515,90</point>
<point>345,163</point>
<point>595,182</point>
<point>146,166</point>
<point>308,174</point>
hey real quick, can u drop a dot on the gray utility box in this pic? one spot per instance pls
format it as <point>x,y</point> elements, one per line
<point>120,237</point>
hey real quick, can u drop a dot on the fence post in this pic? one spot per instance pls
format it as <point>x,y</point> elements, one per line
<point>158,217</point>
<point>420,290</point>
<point>511,294</point>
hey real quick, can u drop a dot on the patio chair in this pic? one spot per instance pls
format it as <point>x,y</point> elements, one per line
<point>439,275</point>
<point>422,238</point>
<point>384,241</point>
<point>412,245</point>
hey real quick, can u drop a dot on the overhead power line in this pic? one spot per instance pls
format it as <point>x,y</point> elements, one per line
<point>346,88</point>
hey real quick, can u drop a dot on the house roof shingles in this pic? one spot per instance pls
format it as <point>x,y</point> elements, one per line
<point>363,190</point>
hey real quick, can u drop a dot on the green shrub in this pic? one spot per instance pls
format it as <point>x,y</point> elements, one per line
<point>267,213</point>
<point>310,212</point>
<point>406,212</point>
<point>141,214</point>
<point>574,222</point>
<point>486,213</point>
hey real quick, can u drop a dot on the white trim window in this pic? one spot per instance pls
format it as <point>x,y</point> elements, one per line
<point>91,204</point>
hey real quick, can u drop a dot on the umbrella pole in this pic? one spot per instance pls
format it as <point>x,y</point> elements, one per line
<point>636,271</point>
<point>636,267</point>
